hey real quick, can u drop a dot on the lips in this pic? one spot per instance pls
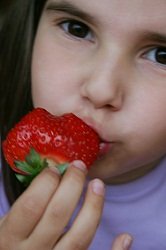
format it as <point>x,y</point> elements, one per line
<point>105,147</point>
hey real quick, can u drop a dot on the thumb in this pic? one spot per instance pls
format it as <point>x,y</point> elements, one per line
<point>122,242</point>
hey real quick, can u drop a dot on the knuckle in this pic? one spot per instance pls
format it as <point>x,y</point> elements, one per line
<point>7,237</point>
<point>7,242</point>
<point>57,213</point>
<point>95,208</point>
<point>96,205</point>
<point>4,245</point>
<point>96,202</point>
<point>78,245</point>
<point>30,206</point>
<point>96,214</point>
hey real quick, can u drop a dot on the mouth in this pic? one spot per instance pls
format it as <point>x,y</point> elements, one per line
<point>105,147</point>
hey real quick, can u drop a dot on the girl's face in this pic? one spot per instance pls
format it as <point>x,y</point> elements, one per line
<point>105,61</point>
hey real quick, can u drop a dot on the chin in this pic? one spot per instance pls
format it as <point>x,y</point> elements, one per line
<point>110,168</point>
<point>103,169</point>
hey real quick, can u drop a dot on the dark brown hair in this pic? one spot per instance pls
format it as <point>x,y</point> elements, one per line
<point>16,43</point>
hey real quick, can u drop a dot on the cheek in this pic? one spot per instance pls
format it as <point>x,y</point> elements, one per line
<point>54,79</point>
<point>140,128</point>
<point>146,129</point>
<point>145,109</point>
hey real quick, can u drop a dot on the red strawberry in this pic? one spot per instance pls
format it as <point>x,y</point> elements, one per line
<point>41,138</point>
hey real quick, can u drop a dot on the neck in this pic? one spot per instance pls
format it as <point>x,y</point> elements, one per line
<point>132,175</point>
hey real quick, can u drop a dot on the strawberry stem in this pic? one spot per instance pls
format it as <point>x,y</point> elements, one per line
<point>33,165</point>
<point>62,168</point>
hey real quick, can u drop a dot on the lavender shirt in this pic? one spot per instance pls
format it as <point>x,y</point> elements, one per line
<point>139,208</point>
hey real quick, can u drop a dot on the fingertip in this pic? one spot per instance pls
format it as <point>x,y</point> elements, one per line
<point>54,170</point>
<point>79,165</point>
<point>127,242</point>
<point>122,242</point>
<point>98,187</point>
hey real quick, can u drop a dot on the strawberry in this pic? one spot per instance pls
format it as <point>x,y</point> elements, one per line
<point>41,139</point>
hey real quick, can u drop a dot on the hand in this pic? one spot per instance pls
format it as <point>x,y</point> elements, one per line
<point>38,218</point>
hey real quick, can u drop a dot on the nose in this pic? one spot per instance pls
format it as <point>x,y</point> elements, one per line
<point>104,85</point>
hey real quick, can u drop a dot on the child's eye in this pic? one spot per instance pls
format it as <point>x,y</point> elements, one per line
<point>77,29</point>
<point>157,55</point>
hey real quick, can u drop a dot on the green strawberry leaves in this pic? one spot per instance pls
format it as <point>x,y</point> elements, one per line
<point>33,165</point>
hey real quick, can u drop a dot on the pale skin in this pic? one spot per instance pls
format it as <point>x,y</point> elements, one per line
<point>111,73</point>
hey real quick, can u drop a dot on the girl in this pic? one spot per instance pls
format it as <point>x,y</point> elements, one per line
<point>105,62</point>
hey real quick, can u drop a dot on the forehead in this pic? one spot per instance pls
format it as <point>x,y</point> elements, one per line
<point>122,6</point>
<point>139,11</point>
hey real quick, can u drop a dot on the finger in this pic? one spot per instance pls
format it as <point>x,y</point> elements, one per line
<point>28,209</point>
<point>61,206</point>
<point>84,227</point>
<point>122,242</point>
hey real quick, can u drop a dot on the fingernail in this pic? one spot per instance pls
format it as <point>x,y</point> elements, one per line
<point>80,165</point>
<point>127,242</point>
<point>98,187</point>
<point>54,170</point>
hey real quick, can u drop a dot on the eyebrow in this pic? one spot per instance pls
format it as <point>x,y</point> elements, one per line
<point>154,36</point>
<point>70,9</point>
